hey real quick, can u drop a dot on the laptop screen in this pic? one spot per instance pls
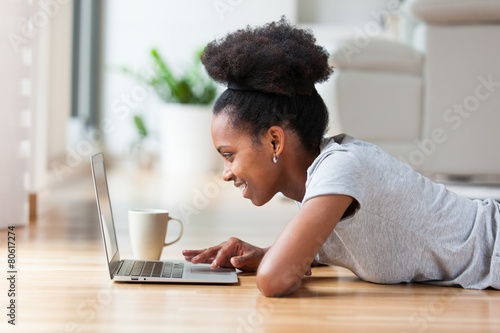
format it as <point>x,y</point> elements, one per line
<point>104,206</point>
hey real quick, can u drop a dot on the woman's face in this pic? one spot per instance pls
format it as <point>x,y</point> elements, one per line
<point>247,163</point>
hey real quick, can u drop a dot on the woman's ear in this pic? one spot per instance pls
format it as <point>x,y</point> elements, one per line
<point>276,134</point>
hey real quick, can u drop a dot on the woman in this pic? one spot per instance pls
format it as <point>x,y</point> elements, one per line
<point>359,207</point>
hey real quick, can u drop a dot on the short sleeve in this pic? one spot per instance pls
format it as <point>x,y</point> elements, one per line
<point>335,171</point>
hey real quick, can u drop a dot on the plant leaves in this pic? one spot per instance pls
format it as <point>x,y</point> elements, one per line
<point>193,87</point>
<point>141,128</point>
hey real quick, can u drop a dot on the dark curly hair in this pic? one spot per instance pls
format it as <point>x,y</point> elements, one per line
<point>277,65</point>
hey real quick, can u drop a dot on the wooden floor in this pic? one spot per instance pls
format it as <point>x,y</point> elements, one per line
<point>63,284</point>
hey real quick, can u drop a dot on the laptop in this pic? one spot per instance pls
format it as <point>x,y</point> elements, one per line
<point>144,271</point>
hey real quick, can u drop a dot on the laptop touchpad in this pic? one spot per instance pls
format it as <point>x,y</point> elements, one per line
<point>207,270</point>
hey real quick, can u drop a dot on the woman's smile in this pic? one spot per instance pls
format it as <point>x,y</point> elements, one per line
<point>241,186</point>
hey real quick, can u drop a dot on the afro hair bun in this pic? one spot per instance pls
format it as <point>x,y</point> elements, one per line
<point>276,58</point>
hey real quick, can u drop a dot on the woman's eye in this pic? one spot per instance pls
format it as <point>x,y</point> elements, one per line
<point>227,155</point>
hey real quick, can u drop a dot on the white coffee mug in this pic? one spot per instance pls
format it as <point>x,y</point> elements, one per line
<point>148,230</point>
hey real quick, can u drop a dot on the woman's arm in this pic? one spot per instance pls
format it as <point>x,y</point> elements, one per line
<point>283,266</point>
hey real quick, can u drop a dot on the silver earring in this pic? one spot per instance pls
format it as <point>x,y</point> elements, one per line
<point>275,159</point>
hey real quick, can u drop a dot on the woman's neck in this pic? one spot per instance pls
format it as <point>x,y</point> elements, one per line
<point>295,175</point>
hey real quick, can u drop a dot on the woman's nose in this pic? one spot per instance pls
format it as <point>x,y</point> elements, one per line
<point>227,174</point>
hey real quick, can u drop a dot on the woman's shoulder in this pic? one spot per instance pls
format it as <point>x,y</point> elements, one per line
<point>333,148</point>
<point>357,155</point>
<point>337,169</point>
<point>345,157</point>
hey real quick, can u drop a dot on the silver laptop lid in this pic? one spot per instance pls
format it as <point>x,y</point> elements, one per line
<point>104,211</point>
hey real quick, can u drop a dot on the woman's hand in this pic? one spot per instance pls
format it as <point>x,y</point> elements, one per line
<point>233,253</point>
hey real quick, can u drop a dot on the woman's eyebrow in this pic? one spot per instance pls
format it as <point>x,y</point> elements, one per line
<point>220,148</point>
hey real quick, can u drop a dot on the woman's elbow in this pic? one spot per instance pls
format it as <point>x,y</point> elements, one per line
<point>277,285</point>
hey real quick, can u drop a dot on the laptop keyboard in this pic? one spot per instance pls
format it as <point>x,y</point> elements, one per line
<point>141,268</point>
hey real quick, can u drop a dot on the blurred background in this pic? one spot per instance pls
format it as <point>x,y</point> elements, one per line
<point>122,77</point>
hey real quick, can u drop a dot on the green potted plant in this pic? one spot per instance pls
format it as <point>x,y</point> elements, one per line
<point>191,87</point>
<point>184,103</point>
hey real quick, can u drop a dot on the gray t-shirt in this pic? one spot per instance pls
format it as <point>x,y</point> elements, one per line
<point>406,228</point>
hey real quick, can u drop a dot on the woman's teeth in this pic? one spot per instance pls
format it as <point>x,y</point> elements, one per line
<point>242,186</point>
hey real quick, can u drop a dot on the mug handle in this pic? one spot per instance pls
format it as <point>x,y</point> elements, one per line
<point>180,233</point>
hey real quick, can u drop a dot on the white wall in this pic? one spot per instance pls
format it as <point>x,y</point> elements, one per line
<point>177,28</point>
